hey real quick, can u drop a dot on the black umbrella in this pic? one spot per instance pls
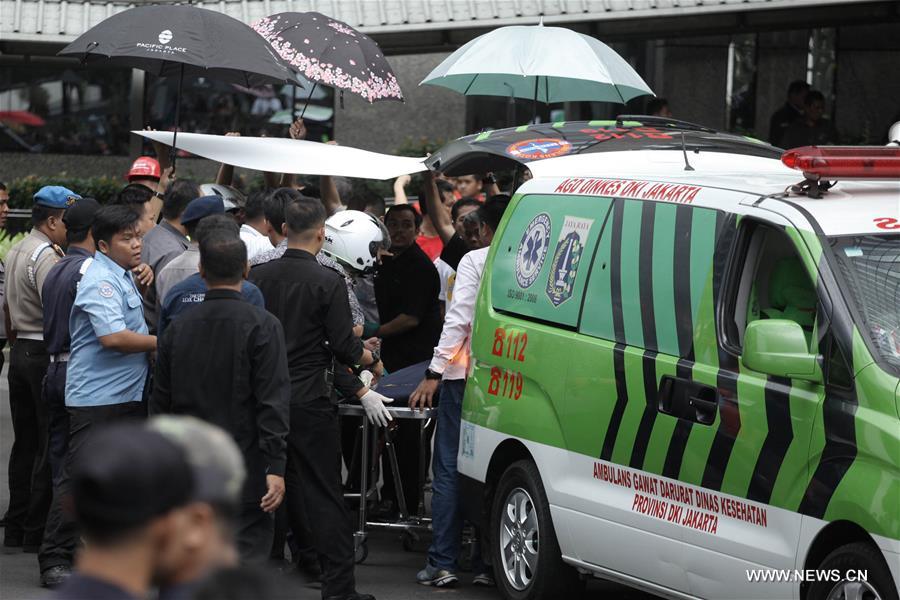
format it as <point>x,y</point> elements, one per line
<point>332,53</point>
<point>182,40</point>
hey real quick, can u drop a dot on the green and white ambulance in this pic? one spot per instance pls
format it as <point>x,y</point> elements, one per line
<point>685,366</point>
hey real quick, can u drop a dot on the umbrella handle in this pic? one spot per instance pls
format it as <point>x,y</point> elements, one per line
<point>173,155</point>
<point>87,51</point>
<point>308,98</point>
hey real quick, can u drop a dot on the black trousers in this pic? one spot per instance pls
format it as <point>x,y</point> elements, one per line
<point>54,397</point>
<point>29,473</point>
<point>255,530</point>
<point>407,445</point>
<point>350,438</point>
<point>61,535</point>
<point>314,494</point>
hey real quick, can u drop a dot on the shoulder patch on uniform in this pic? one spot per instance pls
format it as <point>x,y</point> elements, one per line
<point>84,266</point>
<point>38,250</point>
<point>30,271</point>
<point>106,290</point>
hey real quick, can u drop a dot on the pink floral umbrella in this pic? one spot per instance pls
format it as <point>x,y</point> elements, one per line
<point>332,53</point>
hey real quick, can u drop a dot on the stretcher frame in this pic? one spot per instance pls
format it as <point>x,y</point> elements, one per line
<point>409,524</point>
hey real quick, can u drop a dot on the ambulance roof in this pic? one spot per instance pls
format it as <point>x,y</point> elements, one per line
<point>850,207</point>
<point>632,154</point>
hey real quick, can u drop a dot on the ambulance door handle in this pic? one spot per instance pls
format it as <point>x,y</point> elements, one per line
<point>704,402</point>
<point>686,399</point>
<point>666,394</point>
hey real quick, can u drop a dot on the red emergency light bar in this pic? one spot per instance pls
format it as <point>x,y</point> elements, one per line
<point>845,162</point>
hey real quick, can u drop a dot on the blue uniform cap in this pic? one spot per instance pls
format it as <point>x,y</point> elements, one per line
<point>56,196</point>
<point>202,207</point>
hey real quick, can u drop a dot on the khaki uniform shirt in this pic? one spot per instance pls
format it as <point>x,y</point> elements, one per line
<point>27,265</point>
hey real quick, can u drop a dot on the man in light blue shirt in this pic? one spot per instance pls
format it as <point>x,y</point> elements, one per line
<point>108,362</point>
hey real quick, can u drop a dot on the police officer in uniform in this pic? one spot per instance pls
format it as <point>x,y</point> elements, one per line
<point>28,264</point>
<point>55,555</point>
<point>108,365</point>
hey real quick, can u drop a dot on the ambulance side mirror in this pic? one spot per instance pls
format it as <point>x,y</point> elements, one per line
<point>778,347</point>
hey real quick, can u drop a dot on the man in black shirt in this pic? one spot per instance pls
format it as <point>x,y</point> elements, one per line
<point>311,302</point>
<point>406,289</point>
<point>788,113</point>
<point>813,128</point>
<point>224,362</point>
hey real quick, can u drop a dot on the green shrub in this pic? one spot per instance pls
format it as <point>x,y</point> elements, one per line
<point>6,242</point>
<point>419,147</point>
<point>104,189</point>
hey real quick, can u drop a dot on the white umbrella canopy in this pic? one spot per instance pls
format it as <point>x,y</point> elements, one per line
<point>546,64</point>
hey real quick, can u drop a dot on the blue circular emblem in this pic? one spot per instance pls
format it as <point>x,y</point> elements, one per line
<point>106,290</point>
<point>533,250</point>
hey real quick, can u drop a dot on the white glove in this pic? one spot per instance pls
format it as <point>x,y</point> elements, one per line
<point>374,405</point>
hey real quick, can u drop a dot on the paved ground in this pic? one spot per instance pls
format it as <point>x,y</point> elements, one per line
<point>387,573</point>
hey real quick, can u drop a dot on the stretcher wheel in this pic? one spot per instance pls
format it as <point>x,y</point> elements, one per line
<point>361,552</point>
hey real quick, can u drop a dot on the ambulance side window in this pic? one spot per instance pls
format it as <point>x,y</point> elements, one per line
<point>773,284</point>
<point>543,257</point>
<point>651,284</point>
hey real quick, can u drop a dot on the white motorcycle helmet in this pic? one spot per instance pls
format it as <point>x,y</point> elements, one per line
<point>353,238</point>
<point>894,134</point>
<point>232,199</point>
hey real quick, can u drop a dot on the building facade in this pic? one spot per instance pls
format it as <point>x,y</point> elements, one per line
<point>725,64</point>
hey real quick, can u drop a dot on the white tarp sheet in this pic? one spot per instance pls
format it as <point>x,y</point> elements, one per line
<point>282,155</point>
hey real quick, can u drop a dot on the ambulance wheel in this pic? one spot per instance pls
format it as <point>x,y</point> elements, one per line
<point>524,550</point>
<point>848,560</point>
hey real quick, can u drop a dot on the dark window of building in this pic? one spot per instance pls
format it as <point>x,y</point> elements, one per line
<point>214,107</point>
<point>52,107</point>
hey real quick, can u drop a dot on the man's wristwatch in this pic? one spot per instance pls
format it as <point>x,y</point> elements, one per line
<point>433,375</point>
<point>376,357</point>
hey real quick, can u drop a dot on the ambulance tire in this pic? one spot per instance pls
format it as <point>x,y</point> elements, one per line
<point>851,557</point>
<point>551,577</point>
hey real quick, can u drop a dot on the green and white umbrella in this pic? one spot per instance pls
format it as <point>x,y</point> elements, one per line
<point>544,64</point>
